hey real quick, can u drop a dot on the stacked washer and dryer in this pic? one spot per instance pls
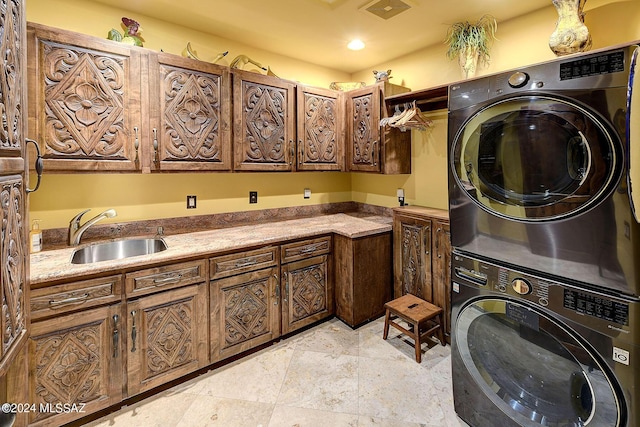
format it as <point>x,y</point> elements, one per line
<point>543,162</point>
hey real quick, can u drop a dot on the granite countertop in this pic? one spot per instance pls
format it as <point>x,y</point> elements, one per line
<point>55,265</point>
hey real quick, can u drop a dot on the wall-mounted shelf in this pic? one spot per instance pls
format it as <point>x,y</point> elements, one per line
<point>435,98</point>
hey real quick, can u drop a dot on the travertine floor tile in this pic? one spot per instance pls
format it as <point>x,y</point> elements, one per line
<point>328,376</point>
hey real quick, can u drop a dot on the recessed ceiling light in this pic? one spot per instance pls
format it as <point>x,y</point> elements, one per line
<point>356,44</point>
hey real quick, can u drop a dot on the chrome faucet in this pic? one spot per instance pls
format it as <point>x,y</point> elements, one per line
<point>76,230</point>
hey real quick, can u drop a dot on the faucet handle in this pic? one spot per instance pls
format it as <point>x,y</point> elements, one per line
<point>76,219</point>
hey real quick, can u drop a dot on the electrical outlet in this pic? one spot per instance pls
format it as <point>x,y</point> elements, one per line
<point>253,197</point>
<point>191,202</point>
<point>400,194</point>
<point>307,193</point>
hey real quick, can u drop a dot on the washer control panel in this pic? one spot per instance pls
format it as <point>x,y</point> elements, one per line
<point>589,307</point>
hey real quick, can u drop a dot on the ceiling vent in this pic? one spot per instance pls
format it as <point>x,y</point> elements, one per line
<point>386,9</point>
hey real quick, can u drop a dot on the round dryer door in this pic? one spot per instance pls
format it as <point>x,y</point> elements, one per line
<point>533,368</point>
<point>535,158</point>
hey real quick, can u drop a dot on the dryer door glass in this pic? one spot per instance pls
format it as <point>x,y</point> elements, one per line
<point>534,368</point>
<point>535,158</point>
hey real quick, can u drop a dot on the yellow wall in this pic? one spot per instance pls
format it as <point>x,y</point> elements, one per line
<point>521,41</point>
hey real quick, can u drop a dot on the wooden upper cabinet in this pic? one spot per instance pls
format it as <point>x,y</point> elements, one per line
<point>371,148</point>
<point>363,124</point>
<point>321,133</point>
<point>84,95</point>
<point>264,122</point>
<point>14,255</point>
<point>190,121</point>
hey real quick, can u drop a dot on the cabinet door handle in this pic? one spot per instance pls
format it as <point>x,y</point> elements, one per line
<point>39,165</point>
<point>286,286</point>
<point>427,240</point>
<point>155,145</point>
<point>438,231</point>
<point>116,335</point>
<point>134,333</point>
<point>70,300</point>
<point>275,276</point>
<point>136,143</point>
<point>373,153</point>
<point>301,159</point>
<point>168,279</point>
<point>291,152</point>
<point>246,263</point>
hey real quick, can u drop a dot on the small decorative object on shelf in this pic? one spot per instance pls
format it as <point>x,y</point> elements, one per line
<point>241,60</point>
<point>189,52</point>
<point>345,86</point>
<point>382,76</point>
<point>571,34</point>
<point>470,43</point>
<point>132,33</point>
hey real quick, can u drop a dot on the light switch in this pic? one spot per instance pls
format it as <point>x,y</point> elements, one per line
<point>307,193</point>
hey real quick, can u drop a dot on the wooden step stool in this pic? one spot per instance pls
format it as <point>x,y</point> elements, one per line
<point>418,313</point>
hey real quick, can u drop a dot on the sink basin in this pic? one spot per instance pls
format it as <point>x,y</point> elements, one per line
<point>117,249</point>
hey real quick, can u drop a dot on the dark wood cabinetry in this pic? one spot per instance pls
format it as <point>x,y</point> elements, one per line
<point>85,101</point>
<point>244,306</point>
<point>371,148</point>
<point>14,247</point>
<point>364,277</point>
<point>190,110</point>
<point>264,122</point>
<point>76,358</point>
<point>321,133</point>
<point>422,256</point>
<point>308,283</point>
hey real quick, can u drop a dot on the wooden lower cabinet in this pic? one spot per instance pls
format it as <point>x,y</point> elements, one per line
<point>363,277</point>
<point>75,359</point>
<point>422,256</point>
<point>442,271</point>
<point>166,337</point>
<point>308,292</point>
<point>244,312</point>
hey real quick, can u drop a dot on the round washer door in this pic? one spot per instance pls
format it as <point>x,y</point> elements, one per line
<point>535,158</point>
<point>533,367</point>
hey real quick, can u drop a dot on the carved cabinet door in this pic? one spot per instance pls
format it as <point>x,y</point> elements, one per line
<point>308,292</point>
<point>166,337</point>
<point>13,211</point>
<point>412,256</point>
<point>442,271</point>
<point>245,312</point>
<point>76,359</point>
<point>363,129</point>
<point>320,129</point>
<point>84,101</point>
<point>190,121</point>
<point>264,122</point>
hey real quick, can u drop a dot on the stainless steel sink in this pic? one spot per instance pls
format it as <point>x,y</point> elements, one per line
<point>117,249</point>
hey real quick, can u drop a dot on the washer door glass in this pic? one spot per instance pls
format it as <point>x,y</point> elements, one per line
<point>534,368</point>
<point>535,158</point>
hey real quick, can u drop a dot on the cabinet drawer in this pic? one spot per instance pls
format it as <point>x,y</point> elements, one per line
<point>305,249</point>
<point>58,299</point>
<point>242,262</point>
<point>166,277</point>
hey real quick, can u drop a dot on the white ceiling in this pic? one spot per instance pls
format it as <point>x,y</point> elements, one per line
<point>317,31</point>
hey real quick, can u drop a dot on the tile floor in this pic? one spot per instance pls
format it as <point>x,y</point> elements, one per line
<point>330,375</point>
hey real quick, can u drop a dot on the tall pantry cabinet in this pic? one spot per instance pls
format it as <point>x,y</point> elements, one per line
<point>14,288</point>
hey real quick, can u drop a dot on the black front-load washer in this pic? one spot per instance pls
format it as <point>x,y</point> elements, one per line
<point>527,351</point>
